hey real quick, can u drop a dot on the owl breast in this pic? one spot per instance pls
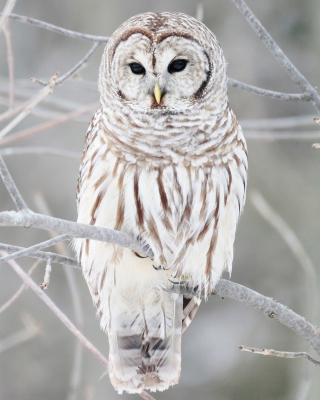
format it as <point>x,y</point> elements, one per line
<point>177,189</point>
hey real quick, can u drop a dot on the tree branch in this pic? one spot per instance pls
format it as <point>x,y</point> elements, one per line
<point>57,29</point>
<point>267,305</point>
<point>269,93</point>
<point>281,354</point>
<point>296,247</point>
<point>74,229</point>
<point>73,69</point>
<point>11,151</point>
<point>31,104</point>
<point>6,12</point>
<point>7,34</point>
<point>278,54</point>
<point>25,252</point>
<point>42,255</point>
<point>50,124</point>
<point>11,187</point>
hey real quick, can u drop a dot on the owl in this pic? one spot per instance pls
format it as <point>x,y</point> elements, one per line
<point>165,161</point>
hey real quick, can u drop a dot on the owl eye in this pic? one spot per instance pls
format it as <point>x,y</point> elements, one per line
<point>177,66</point>
<point>137,69</point>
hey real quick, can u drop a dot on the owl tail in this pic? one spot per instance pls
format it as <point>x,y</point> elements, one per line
<point>145,341</point>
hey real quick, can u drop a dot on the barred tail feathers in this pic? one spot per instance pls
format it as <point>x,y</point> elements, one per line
<point>145,346</point>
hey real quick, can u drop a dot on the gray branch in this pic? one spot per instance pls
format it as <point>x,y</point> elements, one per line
<point>42,245</point>
<point>11,187</point>
<point>270,307</point>
<point>278,54</point>
<point>74,69</point>
<point>30,219</point>
<point>57,29</point>
<point>269,93</point>
<point>42,255</point>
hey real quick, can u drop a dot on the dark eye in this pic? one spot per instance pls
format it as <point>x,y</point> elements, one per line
<point>137,69</point>
<point>177,66</point>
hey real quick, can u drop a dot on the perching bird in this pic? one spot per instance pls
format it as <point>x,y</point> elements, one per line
<point>165,160</point>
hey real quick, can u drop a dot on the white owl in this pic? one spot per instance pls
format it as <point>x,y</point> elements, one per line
<point>165,160</point>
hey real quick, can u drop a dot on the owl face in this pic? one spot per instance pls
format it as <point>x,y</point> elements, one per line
<point>165,75</point>
<point>163,63</point>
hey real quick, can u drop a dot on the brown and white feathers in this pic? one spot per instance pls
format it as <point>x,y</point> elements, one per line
<point>165,160</point>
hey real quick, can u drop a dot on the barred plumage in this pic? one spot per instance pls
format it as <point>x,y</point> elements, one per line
<point>171,171</point>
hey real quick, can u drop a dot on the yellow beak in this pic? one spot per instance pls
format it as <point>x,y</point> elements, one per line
<point>157,93</point>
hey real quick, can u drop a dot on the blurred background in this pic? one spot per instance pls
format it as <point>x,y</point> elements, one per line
<point>45,361</point>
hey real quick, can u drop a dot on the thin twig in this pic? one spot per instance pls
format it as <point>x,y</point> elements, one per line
<point>7,34</point>
<point>42,245</point>
<point>6,12</point>
<point>283,135</point>
<point>47,275</point>
<point>32,103</point>
<point>278,54</point>
<point>73,69</point>
<point>42,255</point>
<point>30,330</point>
<point>47,125</point>
<point>18,293</point>
<point>269,93</point>
<point>11,187</point>
<point>297,121</point>
<point>281,354</point>
<point>63,318</point>
<point>18,151</point>
<point>57,29</point>
<point>294,244</point>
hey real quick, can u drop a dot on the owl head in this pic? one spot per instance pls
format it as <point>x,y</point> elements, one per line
<point>163,62</point>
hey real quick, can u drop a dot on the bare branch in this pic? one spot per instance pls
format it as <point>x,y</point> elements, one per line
<point>47,125</point>
<point>30,330</point>
<point>31,104</point>
<point>294,244</point>
<point>74,229</point>
<point>11,187</point>
<point>17,151</point>
<point>57,29</point>
<point>269,93</point>
<point>278,54</point>
<point>63,318</point>
<point>25,252</point>
<point>7,34</point>
<point>283,135</point>
<point>8,303</point>
<point>41,255</point>
<point>281,354</point>
<point>47,274</point>
<point>73,69</point>
<point>298,121</point>
<point>267,305</point>
<point>272,309</point>
<point>6,12</point>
